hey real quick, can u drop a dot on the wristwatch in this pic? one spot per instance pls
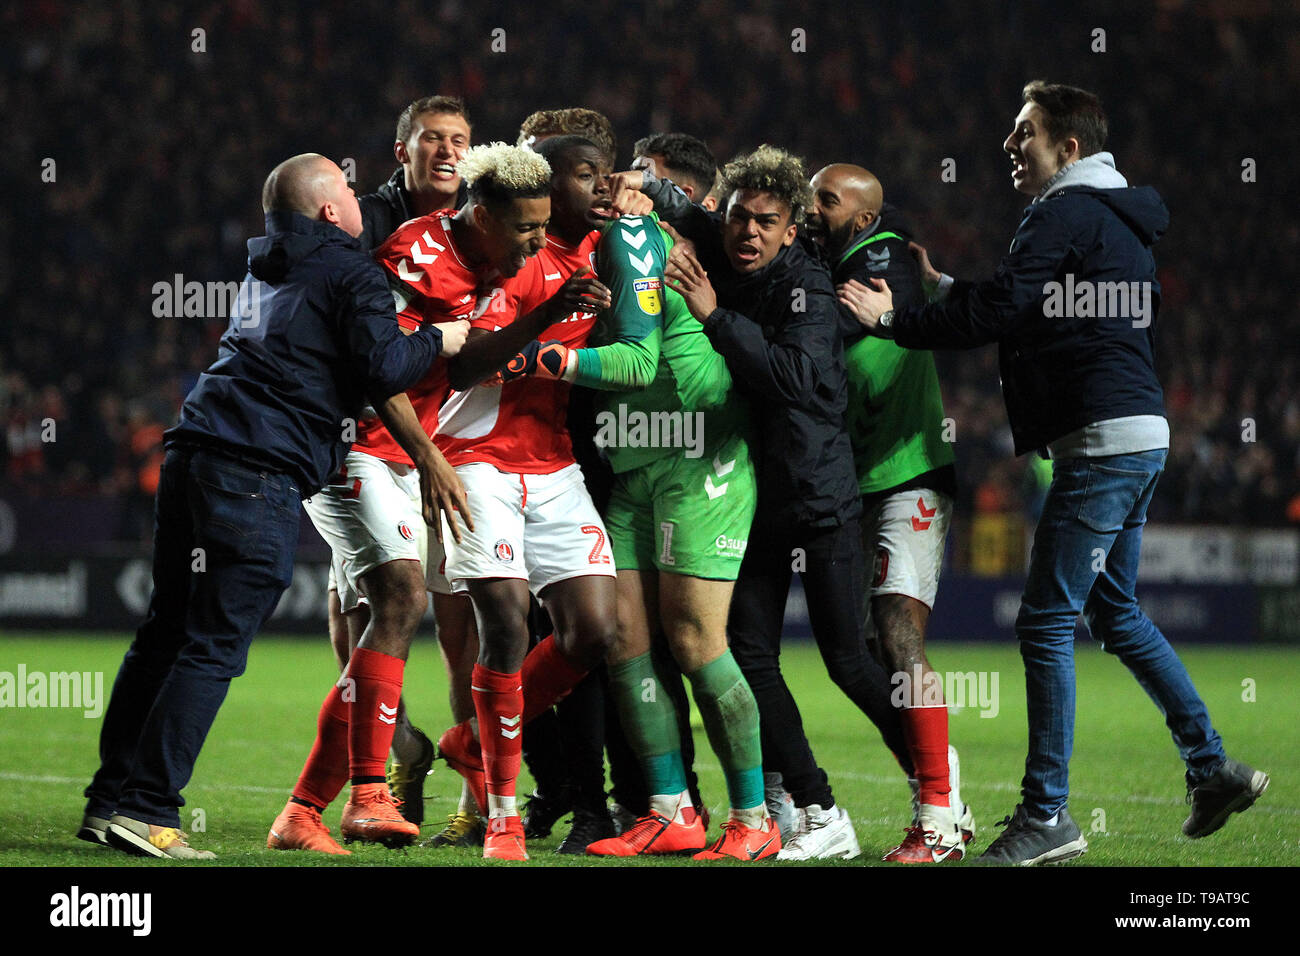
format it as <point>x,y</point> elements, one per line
<point>886,322</point>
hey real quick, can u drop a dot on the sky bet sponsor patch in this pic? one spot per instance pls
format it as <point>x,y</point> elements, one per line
<point>647,295</point>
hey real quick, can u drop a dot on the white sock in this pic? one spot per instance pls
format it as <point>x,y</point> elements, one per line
<point>501,806</point>
<point>752,817</point>
<point>670,805</point>
<point>467,802</point>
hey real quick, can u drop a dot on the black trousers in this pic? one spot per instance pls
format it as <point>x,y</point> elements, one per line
<point>831,563</point>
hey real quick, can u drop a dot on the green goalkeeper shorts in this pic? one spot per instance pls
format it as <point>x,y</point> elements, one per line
<point>685,515</point>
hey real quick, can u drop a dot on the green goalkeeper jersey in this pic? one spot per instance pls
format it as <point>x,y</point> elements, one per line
<point>652,357</point>
<point>895,415</point>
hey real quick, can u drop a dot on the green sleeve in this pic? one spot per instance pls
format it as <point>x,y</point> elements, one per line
<point>700,374</point>
<point>630,261</point>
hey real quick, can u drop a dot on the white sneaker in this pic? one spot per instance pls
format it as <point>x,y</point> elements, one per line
<point>933,839</point>
<point>781,808</point>
<point>962,815</point>
<point>827,833</point>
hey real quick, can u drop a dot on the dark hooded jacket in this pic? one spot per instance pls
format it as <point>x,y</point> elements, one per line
<point>1061,372</point>
<point>314,338</point>
<point>383,210</point>
<point>779,331</point>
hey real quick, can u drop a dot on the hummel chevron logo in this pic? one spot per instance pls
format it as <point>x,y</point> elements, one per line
<point>511,722</point>
<point>421,257</point>
<point>635,240</point>
<point>433,245</point>
<point>721,469</point>
<point>405,272</point>
<point>917,523</point>
<point>643,264</point>
<point>387,715</point>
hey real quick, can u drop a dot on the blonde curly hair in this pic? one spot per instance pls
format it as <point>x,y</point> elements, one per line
<point>770,169</point>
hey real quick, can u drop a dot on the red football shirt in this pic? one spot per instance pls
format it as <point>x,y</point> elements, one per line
<point>521,427</point>
<point>430,281</point>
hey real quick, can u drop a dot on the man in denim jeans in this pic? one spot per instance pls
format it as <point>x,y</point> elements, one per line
<point>1072,307</point>
<point>311,338</point>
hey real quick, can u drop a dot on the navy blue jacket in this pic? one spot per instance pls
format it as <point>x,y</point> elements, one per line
<point>314,337</point>
<point>1060,373</point>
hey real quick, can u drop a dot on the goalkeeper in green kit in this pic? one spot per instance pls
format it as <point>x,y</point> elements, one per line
<point>679,515</point>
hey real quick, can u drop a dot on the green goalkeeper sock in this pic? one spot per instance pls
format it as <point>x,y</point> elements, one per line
<point>731,719</point>
<point>650,723</point>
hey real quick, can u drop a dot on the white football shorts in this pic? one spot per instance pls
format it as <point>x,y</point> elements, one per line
<point>537,528</point>
<point>370,514</point>
<point>906,532</point>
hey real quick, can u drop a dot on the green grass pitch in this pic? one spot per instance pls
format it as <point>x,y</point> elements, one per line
<point>1127,791</point>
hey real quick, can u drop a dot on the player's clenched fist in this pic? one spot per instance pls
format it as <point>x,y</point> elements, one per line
<point>583,292</point>
<point>453,336</point>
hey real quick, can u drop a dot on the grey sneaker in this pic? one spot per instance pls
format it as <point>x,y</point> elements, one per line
<point>624,819</point>
<point>1030,842</point>
<point>93,830</point>
<point>781,808</point>
<point>143,839</point>
<point>1232,788</point>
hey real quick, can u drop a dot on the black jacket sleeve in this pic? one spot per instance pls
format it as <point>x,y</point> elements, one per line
<point>899,269</point>
<point>789,364</point>
<point>691,220</point>
<point>383,358</point>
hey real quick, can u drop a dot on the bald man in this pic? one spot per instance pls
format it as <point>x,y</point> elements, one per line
<point>904,461</point>
<point>313,311</point>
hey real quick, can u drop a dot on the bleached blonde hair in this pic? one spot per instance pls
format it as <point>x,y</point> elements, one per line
<point>499,172</point>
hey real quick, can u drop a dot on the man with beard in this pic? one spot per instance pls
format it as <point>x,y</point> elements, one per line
<point>907,482</point>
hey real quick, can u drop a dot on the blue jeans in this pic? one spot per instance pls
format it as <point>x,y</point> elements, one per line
<point>225,534</point>
<point>1085,558</point>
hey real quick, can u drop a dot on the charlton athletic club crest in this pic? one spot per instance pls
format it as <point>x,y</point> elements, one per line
<point>504,552</point>
<point>405,531</point>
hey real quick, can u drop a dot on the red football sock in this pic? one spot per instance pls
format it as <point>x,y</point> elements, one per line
<point>547,677</point>
<point>326,769</point>
<point>376,688</point>
<point>926,731</point>
<point>499,703</point>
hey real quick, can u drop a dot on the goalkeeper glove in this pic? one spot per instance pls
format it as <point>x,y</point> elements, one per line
<point>548,360</point>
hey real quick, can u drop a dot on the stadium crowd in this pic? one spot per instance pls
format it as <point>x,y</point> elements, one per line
<point>155,150</point>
